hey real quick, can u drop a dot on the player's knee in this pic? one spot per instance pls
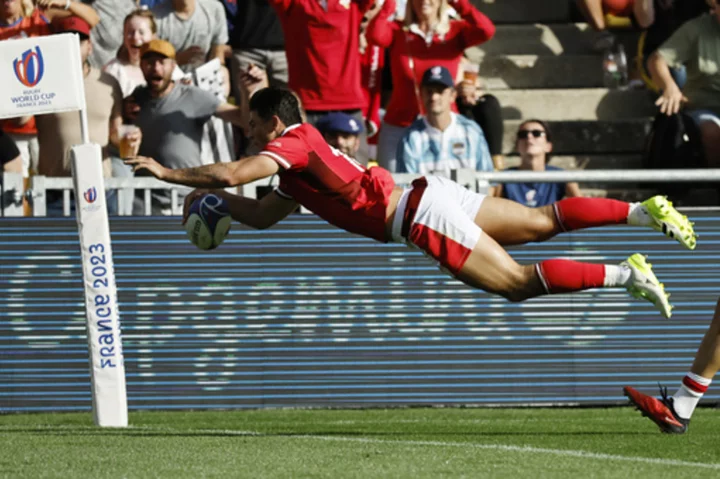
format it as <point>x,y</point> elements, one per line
<point>516,295</point>
<point>540,223</point>
<point>516,285</point>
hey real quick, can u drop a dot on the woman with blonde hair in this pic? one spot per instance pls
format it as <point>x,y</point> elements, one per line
<point>426,37</point>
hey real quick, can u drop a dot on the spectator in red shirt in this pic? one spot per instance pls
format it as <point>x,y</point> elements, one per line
<point>372,61</point>
<point>323,52</point>
<point>18,20</point>
<point>425,38</point>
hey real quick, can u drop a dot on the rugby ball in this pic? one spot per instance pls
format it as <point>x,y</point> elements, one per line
<point>208,221</point>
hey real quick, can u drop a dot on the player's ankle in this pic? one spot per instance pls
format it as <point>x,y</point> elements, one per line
<point>638,215</point>
<point>617,276</point>
<point>686,399</point>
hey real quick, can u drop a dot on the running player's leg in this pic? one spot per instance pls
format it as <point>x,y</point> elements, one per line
<point>673,414</point>
<point>512,223</point>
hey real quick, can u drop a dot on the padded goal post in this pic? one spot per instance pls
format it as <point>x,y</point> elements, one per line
<point>45,75</point>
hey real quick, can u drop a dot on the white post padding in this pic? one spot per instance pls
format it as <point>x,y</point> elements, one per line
<point>41,75</point>
<point>45,75</point>
<point>107,368</point>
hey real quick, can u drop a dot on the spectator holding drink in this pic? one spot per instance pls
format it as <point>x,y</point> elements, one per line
<point>484,109</point>
<point>171,115</point>
<point>58,132</point>
<point>425,38</point>
<point>139,27</point>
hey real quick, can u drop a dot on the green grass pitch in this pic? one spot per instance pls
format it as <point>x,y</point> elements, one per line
<point>398,443</point>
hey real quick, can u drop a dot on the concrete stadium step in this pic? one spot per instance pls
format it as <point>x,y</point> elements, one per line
<point>575,104</point>
<point>587,162</point>
<point>524,11</point>
<point>588,137</point>
<point>500,72</point>
<point>552,39</point>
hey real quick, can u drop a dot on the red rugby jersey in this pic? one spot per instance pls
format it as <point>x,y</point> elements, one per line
<point>330,184</point>
<point>371,64</point>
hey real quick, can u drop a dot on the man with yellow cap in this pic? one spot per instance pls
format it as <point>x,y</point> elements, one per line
<point>171,115</point>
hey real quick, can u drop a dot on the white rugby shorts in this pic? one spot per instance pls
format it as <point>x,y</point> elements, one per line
<point>437,216</point>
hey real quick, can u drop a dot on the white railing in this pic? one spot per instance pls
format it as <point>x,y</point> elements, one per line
<point>12,192</point>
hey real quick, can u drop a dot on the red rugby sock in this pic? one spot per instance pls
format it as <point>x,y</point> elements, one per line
<point>579,213</point>
<point>566,276</point>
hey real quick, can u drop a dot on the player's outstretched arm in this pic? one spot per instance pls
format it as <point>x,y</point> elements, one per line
<point>218,175</point>
<point>258,214</point>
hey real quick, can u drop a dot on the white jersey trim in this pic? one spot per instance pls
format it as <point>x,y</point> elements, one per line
<point>283,162</point>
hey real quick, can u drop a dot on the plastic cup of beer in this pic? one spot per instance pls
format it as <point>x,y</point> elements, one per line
<point>128,147</point>
<point>471,72</point>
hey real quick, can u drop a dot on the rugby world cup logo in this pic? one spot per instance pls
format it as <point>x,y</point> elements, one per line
<point>90,195</point>
<point>29,68</point>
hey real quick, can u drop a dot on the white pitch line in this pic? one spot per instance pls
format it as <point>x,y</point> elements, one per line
<point>497,447</point>
<point>471,445</point>
<point>523,449</point>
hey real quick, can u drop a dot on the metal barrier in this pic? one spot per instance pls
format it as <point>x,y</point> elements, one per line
<point>12,192</point>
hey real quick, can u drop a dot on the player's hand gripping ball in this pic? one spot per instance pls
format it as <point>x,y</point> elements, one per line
<point>208,221</point>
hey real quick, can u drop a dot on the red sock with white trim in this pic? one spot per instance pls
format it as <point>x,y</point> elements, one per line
<point>579,213</point>
<point>686,399</point>
<point>565,275</point>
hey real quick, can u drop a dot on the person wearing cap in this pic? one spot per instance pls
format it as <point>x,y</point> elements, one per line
<point>427,35</point>
<point>58,132</point>
<point>341,131</point>
<point>442,140</point>
<point>172,115</point>
<point>22,19</point>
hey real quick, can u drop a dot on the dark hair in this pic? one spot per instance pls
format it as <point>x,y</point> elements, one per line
<point>548,133</point>
<point>279,102</point>
<point>546,127</point>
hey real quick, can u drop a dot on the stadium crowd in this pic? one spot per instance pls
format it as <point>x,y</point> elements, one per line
<point>386,82</point>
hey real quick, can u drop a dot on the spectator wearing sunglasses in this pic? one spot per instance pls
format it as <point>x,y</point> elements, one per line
<point>534,144</point>
<point>441,140</point>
